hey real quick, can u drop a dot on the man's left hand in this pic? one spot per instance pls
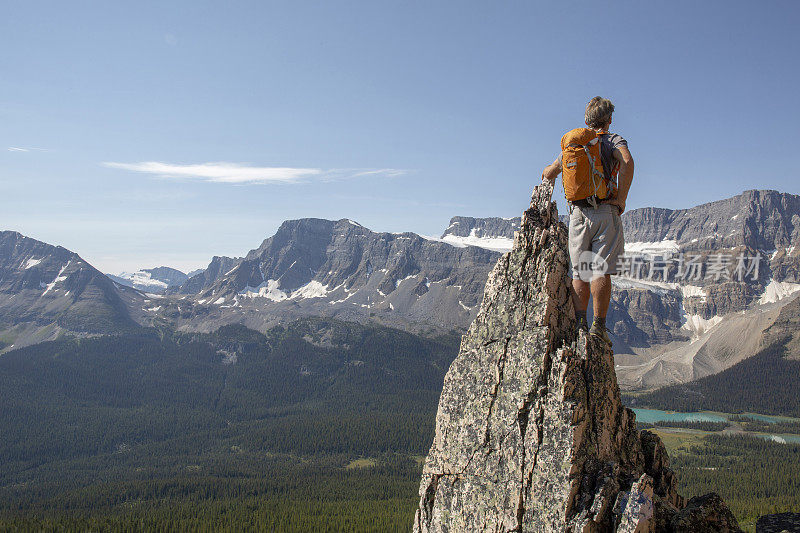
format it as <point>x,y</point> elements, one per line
<point>619,204</point>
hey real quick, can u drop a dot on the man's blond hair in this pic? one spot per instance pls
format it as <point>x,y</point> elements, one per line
<point>598,112</point>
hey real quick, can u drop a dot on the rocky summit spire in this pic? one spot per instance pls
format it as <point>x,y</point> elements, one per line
<point>531,433</point>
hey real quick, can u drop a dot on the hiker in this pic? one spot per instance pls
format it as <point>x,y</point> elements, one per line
<point>591,159</point>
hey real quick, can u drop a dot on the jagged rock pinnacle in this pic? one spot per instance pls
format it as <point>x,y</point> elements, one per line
<point>531,433</point>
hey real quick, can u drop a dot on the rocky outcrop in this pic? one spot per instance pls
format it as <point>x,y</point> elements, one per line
<point>778,523</point>
<point>531,434</point>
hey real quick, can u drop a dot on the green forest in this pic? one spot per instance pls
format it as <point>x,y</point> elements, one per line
<point>320,425</point>
<point>230,430</point>
<point>754,476</point>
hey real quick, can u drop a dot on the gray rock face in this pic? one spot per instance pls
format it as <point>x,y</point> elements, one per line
<point>199,281</point>
<point>765,220</point>
<point>660,350</point>
<point>531,434</point>
<point>483,227</point>
<point>754,222</point>
<point>170,276</point>
<point>342,269</point>
<point>785,264</point>
<point>642,318</point>
<point>46,290</point>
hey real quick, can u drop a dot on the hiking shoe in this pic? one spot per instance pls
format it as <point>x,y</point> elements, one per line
<point>581,325</point>
<point>601,333</point>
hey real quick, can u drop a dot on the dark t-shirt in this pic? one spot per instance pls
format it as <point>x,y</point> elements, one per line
<point>608,143</point>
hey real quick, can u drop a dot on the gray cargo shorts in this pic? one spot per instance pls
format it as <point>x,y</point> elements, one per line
<point>596,241</point>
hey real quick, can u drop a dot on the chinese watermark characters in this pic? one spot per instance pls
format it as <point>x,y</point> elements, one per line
<point>690,267</point>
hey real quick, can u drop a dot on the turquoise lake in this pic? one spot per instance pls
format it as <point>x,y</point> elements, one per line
<point>651,416</point>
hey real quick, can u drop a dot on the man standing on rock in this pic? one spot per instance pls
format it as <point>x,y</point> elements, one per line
<point>591,159</point>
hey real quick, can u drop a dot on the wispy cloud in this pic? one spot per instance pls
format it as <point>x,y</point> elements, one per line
<point>20,149</point>
<point>222,172</point>
<point>339,174</point>
<point>386,172</point>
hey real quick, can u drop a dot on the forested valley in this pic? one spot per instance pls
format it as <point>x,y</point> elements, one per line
<point>319,425</point>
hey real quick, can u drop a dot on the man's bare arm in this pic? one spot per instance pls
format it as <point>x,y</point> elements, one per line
<point>623,155</point>
<point>552,170</point>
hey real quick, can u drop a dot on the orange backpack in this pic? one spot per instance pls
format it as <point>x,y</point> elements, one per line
<point>582,167</point>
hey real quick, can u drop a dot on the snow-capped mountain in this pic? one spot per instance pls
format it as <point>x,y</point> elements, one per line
<point>491,233</point>
<point>340,268</point>
<point>152,280</point>
<point>688,324</point>
<point>766,220</point>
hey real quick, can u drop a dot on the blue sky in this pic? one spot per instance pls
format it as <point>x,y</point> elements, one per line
<point>164,133</point>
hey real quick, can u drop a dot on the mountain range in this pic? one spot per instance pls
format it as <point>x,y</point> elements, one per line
<point>667,327</point>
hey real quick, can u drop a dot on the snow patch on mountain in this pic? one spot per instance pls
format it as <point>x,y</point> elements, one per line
<point>30,263</point>
<point>269,289</point>
<point>59,278</point>
<point>687,291</point>
<point>399,281</point>
<point>660,248</point>
<point>313,289</point>
<point>693,291</point>
<point>496,244</point>
<point>143,280</point>
<point>659,287</point>
<point>778,290</point>
<point>698,325</point>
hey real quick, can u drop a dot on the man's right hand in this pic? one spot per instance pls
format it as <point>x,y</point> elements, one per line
<point>551,171</point>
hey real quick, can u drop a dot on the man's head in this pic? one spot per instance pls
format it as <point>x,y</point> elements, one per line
<point>598,112</point>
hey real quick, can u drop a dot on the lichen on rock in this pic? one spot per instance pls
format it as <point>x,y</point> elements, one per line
<point>531,433</point>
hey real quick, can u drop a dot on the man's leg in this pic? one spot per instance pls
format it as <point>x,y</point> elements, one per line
<point>580,297</point>
<point>601,294</point>
<point>601,298</point>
